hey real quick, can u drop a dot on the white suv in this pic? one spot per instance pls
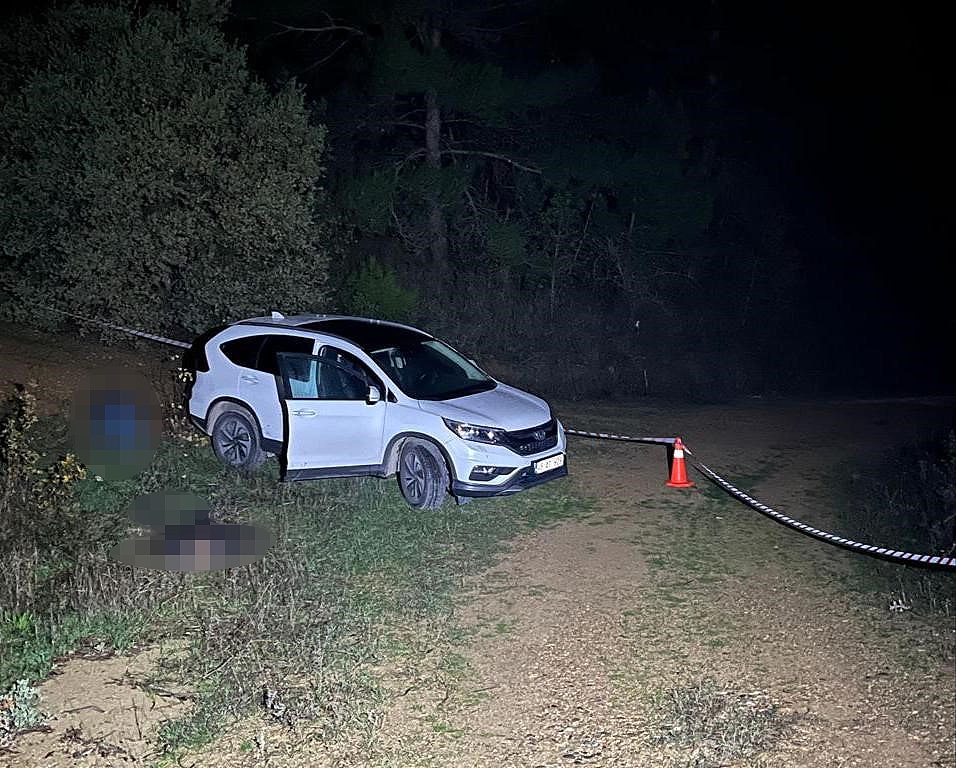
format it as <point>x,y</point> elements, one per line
<point>335,396</point>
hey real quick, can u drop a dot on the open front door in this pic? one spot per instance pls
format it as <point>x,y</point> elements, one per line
<point>335,416</point>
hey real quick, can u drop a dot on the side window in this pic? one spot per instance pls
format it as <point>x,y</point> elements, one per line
<point>349,363</point>
<point>299,376</point>
<point>275,344</point>
<point>242,351</point>
<point>323,377</point>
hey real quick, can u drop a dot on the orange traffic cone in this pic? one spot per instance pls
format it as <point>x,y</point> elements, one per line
<point>678,469</point>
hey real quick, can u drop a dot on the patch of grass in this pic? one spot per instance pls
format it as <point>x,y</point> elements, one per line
<point>441,726</point>
<point>30,645</point>
<point>454,665</point>
<point>700,724</point>
<point>356,578</point>
<point>908,502</point>
<point>505,627</point>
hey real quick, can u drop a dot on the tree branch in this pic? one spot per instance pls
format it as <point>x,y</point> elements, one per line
<point>324,59</point>
<point>493,156</point>
<point>332,26</point>
<point>587,223</point>
<point>317,30</point>
<point>407,159</point>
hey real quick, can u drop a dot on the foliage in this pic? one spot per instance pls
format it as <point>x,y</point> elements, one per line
<point>566,211</point>
<point>18,708</point>
<point>42,528</point>
<point>147,178</point>
<point>466,84</point>
<point>374,291</point>
<point>582,217</point>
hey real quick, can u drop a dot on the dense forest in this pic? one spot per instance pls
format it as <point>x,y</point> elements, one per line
<point>618,200</point>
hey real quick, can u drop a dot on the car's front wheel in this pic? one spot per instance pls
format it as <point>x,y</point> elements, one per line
<point>236,440</point>
<point>422,476</point>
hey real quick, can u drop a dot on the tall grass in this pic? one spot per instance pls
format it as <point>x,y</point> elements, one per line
<point>355,577</point>
<point>909,502</point>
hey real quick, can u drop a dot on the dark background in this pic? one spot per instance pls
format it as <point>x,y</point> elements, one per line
<point>843,108</point>
<point>839,110</point>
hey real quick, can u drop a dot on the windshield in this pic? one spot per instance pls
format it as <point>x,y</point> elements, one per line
<point>431,370</point>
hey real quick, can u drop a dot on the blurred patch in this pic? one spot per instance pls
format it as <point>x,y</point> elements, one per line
<point>183,538</point>
<point>116,423</point>
<point>167,508</point>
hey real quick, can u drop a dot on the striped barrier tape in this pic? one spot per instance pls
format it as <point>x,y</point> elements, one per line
<point>624,438</point>
<point>133,331</point>
<point>885,553</point>
<point>937,562</point>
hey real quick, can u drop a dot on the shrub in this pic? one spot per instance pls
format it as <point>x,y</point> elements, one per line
<point>146,178</point>
<point>374,291</point>
<point>42,529</point>
<point>18,709</point>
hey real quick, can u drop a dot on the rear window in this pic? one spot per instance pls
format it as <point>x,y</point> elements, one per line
<point>243,352</point>
<point>259,352</point>
<point>194,358</point>
<point>275,344</point>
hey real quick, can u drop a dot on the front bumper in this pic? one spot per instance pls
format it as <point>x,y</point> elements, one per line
<point>522,480</point>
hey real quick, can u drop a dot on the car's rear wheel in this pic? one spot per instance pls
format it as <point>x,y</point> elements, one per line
<point>236,439</point>
<point>422,476</point>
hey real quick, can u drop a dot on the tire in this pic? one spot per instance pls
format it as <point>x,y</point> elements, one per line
<point>422,476</point>
<point>236,439</point>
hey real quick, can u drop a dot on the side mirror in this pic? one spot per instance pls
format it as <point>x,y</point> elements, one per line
<point>373,396</point>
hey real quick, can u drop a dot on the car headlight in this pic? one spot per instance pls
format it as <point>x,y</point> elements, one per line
<point>474,432</point>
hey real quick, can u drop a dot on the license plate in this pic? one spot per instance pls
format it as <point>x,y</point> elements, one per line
<point>546,465</point>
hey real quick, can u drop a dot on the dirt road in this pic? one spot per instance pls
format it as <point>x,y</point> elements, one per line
<point>580,624</point>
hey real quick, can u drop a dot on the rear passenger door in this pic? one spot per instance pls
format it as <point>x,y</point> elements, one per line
<point>258,384</point>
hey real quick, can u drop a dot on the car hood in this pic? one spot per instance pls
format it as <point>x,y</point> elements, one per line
<point>504,407</point>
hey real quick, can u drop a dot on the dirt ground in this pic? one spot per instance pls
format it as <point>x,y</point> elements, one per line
<point>571,633</point>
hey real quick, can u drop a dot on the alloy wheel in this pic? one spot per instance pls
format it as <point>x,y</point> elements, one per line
<point>234,441</point>
<point>413,476</point>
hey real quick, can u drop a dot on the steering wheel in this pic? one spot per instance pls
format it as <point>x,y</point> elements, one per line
<point>426,377</point>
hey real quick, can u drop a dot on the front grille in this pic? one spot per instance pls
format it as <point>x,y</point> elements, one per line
<point>524,443</point>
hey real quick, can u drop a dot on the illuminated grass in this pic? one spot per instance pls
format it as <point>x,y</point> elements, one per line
<point>355,578</point>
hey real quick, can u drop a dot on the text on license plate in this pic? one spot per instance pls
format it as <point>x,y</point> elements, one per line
<point>546,465</point>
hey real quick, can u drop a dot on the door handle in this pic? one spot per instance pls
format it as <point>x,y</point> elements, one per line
<point>304,413</point>
<point>249,379</point>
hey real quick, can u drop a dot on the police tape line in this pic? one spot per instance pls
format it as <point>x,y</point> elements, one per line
<point>623,438</point>
<point>133,331</point>
<point>884,553</point>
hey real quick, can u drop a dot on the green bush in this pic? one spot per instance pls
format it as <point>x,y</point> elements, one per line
<point>374,291</point>
<point>147,178</point>
<point>20,708</point>
<point>43,530</point>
